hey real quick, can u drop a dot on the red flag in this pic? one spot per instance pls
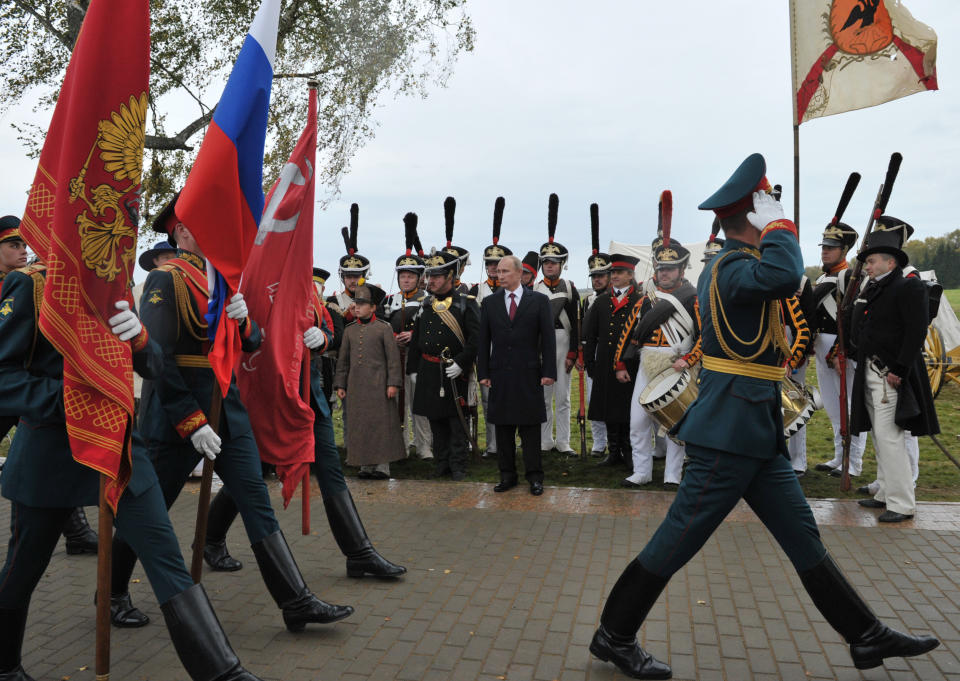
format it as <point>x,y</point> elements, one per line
<point>278,288</point>
<point>81,220</point>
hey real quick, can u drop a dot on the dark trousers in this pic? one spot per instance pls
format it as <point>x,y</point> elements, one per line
<point>143,519</point>
<point>712,485</point>
<point>237,464</point>
<point>507,451</point>
<point>328,470</point>
<point>449,445</point>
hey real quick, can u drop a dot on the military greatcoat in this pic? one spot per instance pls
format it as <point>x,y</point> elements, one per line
<point>609,398</point>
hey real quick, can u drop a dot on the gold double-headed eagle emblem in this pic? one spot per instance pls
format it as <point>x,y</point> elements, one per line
<point>108,233</point>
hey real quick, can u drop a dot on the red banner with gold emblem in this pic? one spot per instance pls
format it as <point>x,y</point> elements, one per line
<point>81,220</point>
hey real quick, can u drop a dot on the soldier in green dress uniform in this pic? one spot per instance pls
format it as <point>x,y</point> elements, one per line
<point>734,438</point>
<point>45,484</point>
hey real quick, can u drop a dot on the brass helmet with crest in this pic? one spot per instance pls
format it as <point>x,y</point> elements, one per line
<point>553,251</point>
<point>714,243</point>
<point>353,262</point>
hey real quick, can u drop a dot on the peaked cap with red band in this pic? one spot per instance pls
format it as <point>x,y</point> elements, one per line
<point>621,261</point>
<point>736,194</point>
<point>10,228</point>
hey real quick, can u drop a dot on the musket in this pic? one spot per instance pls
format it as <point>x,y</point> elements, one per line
<point>582,413</point>
<point>853,285</point>
<point>447,360</point>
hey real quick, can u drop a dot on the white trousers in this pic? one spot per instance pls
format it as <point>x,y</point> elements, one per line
<point>417,427</point>
<point>642,432</point>
<point>893,464</point>
<point>559,392</point>
<point>491,430</point>
<point>797,444</point>
<point>598,429</point>
<point>828,380</point>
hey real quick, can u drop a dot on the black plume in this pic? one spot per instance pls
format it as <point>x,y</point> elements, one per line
<point>417,245</point>
<point>354,222</point>
<point>346,239</point>
<point>553,204</point>
<point>595,227</point>
<point>409,228</point>
<point>449,208</point>
<point>777,191</point>
<point>498,206</point>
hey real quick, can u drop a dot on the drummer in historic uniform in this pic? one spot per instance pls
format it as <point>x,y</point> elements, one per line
<point>400,311</point>
<point>441,354</point>
<point>598,266</point>
<point>665,334</point>
<point>734,437</point>
<point>564,303</point>
<point>612,382</point>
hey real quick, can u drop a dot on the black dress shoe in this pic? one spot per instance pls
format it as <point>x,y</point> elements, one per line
<point>823,467</point>
<point>799,474</point>
<point>889,516</point>
<point>881,641</point>
<point>124,615</point>
<point>628,656</point>
<point>671,486</point>
<point>864,489</point>
<point>536,488</point>
<point>630,485</point>
<point>16,675</point>
<point>364,475</point>
<point>568,452</point>
<point>872,503</point>
<point>505,485</point>
<point>379,475</point>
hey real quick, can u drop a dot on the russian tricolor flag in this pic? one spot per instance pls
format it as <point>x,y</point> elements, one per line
<point>222,200</point>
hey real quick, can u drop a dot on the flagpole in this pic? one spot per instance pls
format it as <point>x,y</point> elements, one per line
<point>796,121</point>
<point>796,176</point>
<point>305,495</point>
<point>104,565</point>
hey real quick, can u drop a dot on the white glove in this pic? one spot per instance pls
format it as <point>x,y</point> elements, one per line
<point>453,370</point>
<point>205,440</point>
<point>125,325</point>
<point>413,377</point>
<point>313,338</point>
<point>237,308</point>
<point>766,209</point>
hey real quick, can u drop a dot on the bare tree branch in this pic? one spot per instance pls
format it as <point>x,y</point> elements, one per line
<point>179,141</point>
<point>62,37</point>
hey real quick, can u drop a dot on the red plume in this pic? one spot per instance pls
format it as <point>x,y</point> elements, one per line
<point>666,207</point>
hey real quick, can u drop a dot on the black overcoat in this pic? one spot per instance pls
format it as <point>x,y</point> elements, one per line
<point>515,355</point>
<point>609,399</point>
<point>889,321</point>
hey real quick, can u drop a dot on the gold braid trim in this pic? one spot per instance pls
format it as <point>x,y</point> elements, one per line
<point>771,327</point>
<point>801,332</point>
<point>38,283</point>
<point>627,328</point>
<point>185,309</point>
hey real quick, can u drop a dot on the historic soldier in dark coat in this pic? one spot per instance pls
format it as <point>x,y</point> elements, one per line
<point>610,395</point>
<point>442,351</point>
<point>734,438</point>
<point>45,484</point>
<point>175,428</point>
<point>516,359</point>
<point>891,392</point>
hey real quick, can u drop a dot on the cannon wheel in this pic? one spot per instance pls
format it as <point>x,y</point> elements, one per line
<point>935,357</point>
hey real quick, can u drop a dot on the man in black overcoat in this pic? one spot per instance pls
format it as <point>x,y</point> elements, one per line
<point>516,358</point>
<point>891,393</point>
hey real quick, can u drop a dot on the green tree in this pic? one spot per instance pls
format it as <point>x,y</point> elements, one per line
<point>359,52</point>
<point>938,253</point>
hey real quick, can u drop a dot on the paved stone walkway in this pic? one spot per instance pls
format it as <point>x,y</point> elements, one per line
<point>510,588</point>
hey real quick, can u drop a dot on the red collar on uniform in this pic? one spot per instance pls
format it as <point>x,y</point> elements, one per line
<point>551,282</point>
<point>839,267</point>
<point>494,284</point>
<point>373,318</point>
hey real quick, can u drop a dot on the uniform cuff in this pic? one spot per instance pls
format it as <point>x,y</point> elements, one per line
<point>620,366</point>
<point>140,342</point>
<point>778,225</point>
<point>190,424</point>
<point>572,354</point>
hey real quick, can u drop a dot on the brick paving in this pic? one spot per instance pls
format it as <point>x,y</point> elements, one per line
<point>510,588</point>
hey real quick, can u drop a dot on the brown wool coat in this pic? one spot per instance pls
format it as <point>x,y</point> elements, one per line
<point>368,362</point>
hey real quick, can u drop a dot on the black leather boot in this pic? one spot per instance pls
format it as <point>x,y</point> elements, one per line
<point>614,447</point>
<point>223,511</point>
<point>124,615</point>
<point>199,640</point>
<point>13,622</point>
<point>870,640</point>
<point>347,529</point>
<point>627,606</point>
<point>79,535</point>
<point>286,585</point>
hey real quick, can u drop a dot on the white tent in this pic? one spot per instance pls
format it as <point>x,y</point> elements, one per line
<point>645,266</point>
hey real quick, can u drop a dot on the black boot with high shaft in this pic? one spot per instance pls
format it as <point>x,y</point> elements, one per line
<point>199,640</point>
<point>79,535</point>
<point>13,622</point>
<point>286,585</point>
<point>627,606</point>
<point>347,529</point>
<point>223,511</point>
<point>870,640</point>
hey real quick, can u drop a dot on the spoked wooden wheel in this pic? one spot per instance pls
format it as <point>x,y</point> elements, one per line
<point>935,357</point>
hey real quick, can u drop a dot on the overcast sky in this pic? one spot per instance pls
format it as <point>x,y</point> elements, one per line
<point>612,102</point>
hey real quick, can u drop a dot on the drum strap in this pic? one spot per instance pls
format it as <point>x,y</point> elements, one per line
<point>751,369</point>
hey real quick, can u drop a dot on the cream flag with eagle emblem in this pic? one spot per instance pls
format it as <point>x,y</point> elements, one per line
<point>851,54</point>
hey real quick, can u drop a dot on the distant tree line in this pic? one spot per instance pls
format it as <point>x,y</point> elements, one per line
<point>939,253</point>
